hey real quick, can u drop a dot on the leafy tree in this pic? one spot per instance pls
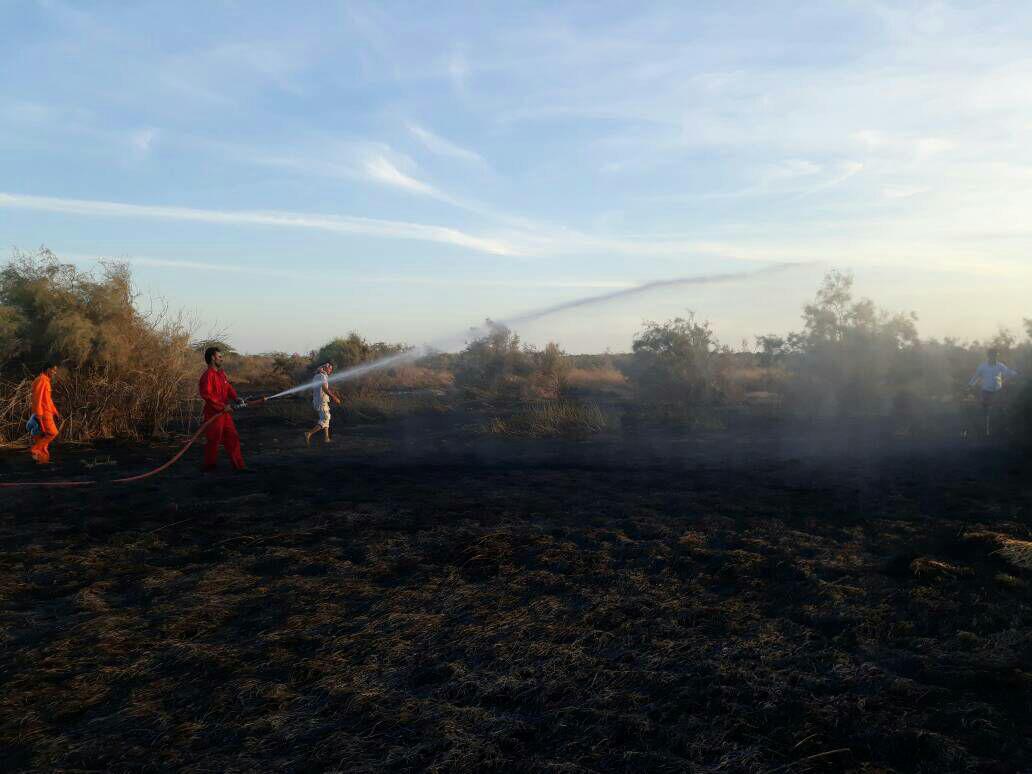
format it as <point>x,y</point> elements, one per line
<point>493,360</point>
<point>1003,341</point>
<point>49,309</point>
<point>351,350</point>
<point>13,330</point>
<point>852,353</point>
<point>674,361</point>
<point>773,349</point>
<point>554,367</point>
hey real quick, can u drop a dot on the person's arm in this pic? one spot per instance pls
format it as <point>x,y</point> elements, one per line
<point>1010,373</point>
<point>50,401</point>
<point>37,399</point>
<point>977,377</point>
<point>208,394</point>
<point>231,391</point>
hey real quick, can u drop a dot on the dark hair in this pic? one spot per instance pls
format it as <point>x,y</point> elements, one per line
<point>209,353</point>
<point>48,364</point>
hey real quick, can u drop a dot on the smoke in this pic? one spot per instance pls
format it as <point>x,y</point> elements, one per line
<point>415,353</point>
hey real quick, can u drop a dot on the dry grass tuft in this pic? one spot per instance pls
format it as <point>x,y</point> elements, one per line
<point>925,567</point>
<point>551,419</point>
<point>1016,552</point>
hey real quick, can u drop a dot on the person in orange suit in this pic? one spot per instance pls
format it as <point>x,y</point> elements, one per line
<point>46,413</point>
<point>219,397</point>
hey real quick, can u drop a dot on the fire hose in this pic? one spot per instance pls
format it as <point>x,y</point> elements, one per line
<point>129,479</point>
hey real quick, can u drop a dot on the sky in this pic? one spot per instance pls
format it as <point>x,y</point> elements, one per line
<point>286,173</point>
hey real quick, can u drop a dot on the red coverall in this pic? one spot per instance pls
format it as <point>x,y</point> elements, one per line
<point>216,391</point>
<point>45,410</point>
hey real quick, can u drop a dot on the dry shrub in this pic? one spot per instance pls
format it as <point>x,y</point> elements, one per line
<point>257,372</point>
<point>1016,552</point>
<point>125,373</point>
<point>596,379</point>
<point>410,377</point>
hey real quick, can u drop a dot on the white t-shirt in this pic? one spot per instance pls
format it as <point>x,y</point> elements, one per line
<point>991,376</point>
<point>320,398</point>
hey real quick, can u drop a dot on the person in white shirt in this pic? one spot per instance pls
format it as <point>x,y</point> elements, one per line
<point>991,376</point>
<point>321,397</point>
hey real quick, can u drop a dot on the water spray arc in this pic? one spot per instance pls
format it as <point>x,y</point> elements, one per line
<point>415,353</point>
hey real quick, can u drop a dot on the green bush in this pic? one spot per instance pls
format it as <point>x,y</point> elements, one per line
<point>352,350</point>
<point>676,362</point>
<point>851,357</point>
<point>494,363</point>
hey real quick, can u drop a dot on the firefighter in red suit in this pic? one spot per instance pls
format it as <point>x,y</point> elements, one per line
<point>219,396</point>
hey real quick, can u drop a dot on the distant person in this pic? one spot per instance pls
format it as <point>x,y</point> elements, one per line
<point>321,397</point>
<point>990,376</point>
<point>219,397</point>
<point>46,413</point>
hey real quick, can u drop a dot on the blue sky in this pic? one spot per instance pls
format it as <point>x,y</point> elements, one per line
<point>289,173</point>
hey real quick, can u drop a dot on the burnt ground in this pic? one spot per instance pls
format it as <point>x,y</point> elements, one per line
<point>418,597</point>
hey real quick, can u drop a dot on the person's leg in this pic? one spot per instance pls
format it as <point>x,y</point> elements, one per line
<point>987,405</point>
<point>41,448</point>
<point>211,448</point>
<point>324,420</point>
<point>231,440</point>
<point>309,433</point>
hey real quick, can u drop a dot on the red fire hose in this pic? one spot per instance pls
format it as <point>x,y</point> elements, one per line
<point>148,474</point>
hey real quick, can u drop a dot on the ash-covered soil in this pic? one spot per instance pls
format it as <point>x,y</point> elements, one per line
<point>416,597</point>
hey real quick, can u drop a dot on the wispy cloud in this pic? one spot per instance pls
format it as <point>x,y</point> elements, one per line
<point>380,170</point>
<point>846,170</point>
<point>352,279</point>
<point>442,147</point>
<point>388,229</point>
<point>458,72</point>
<point>143,140</point>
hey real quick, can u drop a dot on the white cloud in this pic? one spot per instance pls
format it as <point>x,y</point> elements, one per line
<point>388,229</point>
<point>405,279</point>
<point>792,168</point>
<point>442,147</point>
<point>458,72</point>
<point>903,191</point>
<point>380,170</point>
<point>142,140</point>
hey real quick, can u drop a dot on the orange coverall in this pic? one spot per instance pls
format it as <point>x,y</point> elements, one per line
<point>216,391</point>
<point>45,410</point>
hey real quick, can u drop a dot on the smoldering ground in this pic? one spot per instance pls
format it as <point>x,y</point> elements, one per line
<point>415,597</point>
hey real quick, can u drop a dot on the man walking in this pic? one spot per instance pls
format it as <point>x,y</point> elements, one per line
<point>218,396</point>
<point>321,397</point>
<point>990,376</point>
<point>46,413</point>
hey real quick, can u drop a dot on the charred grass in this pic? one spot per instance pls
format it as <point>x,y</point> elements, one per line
<point>691,607</point>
